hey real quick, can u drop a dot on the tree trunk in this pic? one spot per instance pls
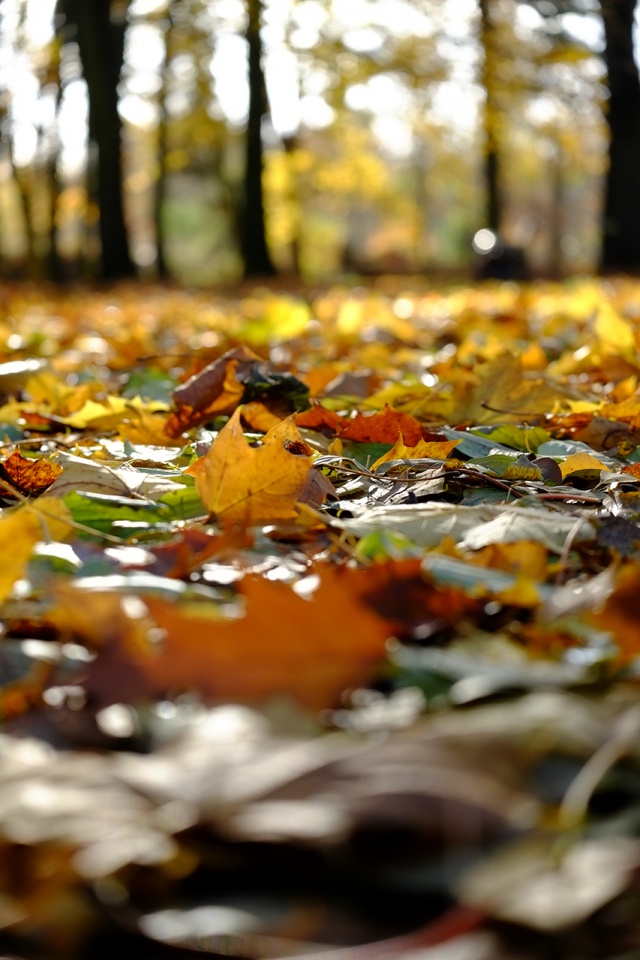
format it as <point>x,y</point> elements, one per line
<point>493,212</point>
<point>255,253</point>
<point>621,235</point>
<point>161,183</point>
<point>101,45</point>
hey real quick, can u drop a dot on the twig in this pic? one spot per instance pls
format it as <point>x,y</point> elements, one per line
<point>575,802</point>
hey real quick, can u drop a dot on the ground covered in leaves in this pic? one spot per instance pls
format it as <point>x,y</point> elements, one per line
<point>320,622</point>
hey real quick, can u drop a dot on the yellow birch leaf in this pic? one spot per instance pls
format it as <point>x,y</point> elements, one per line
<point>239,483</point>
<point>581,461</point>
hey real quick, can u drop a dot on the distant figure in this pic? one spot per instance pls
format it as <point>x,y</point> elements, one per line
<point>497,260</point>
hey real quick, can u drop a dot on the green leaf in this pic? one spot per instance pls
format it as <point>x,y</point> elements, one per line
<point>366,453</point>
<point>525,438</point>
<point>509,467</point>
<point>101,512</point>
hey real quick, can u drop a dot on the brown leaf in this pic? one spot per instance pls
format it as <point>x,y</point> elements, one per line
<point>29,477</point>
<point>216,390</point>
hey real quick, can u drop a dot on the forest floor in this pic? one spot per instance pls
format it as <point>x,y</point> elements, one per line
<point>320,616</point>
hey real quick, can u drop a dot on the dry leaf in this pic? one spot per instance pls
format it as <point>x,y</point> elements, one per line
<point>436,450</point>
<point>216,390</point>
<point>576,462</point>
<point>29,477</point>
<point>239,483</point>
<point>22,529</point>
<point>385,427</point>
<point>321,419</point>
<point>309,649</point>
<point>619,615</point>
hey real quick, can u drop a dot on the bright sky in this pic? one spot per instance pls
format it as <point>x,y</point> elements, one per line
<point>363,26</point>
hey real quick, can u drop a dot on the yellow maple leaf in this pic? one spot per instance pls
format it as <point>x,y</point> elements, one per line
<point>239,483</point>
<point>436,450</point>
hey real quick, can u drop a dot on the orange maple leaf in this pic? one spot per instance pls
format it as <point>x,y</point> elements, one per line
<point>309,649</point>
<point>321,419</point>
<point>239,483</point>
<point>384,427</point>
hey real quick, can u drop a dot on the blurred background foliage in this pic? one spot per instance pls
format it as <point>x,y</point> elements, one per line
<point>207,140</point>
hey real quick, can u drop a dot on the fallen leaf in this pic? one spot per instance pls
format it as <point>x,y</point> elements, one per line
<point>45,520</point>
<point>79,473</point>
<point>388,426</point>
<point>613,330</point>
<point>216,390</point>
<point>261,417</point>
<point>321,419</point>
<point>526,558</point>
<point>619,615</point>
<point>535,883</point>
<point>28,477</point>
<point>283,645</point>
<point>578,462</point>
<point>236,377</point>
<point>239,483</point>
<point>436,450</point>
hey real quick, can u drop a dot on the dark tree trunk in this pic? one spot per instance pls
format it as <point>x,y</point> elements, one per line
<point>255,253</point>
<point>161,183</point>
<point>493,212</point>
<point>101,44</point>
<point>621,230</point>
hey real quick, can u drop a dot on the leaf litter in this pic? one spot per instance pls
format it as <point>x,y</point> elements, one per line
<point>319,622</point>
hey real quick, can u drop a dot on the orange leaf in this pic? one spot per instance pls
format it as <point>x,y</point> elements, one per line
<point>29,477</point>
<point>309,649</point>
<point>384,427</point>
<point>321,419</point>
<point>620,613</point>
<point>239,483</point>
<point>261,417</point>
<point>526,558</point>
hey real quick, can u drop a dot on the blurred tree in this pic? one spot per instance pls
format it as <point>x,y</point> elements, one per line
<point>255,253</point>
<point>100,27</point>
<point>620,242</point>
<point>490,81</point>
<point>621,233</point>
<point>541,119</point>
